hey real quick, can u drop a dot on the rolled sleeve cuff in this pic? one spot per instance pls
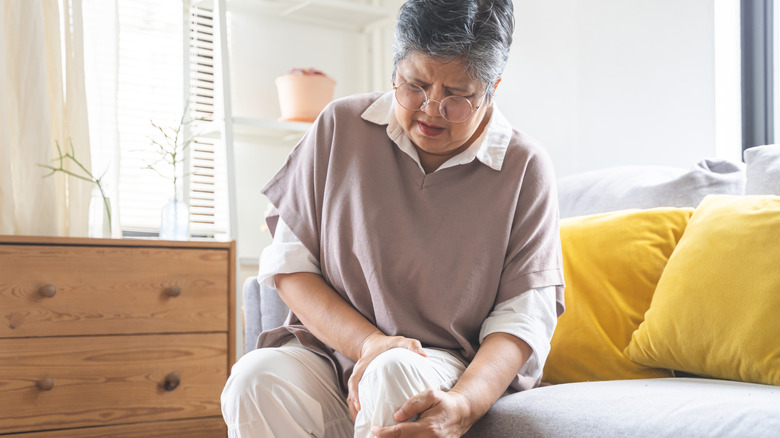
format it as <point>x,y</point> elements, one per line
<point>286,255</point>
<point>530,316</point>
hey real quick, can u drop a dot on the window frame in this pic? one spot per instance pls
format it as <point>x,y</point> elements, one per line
<point>758,72</point>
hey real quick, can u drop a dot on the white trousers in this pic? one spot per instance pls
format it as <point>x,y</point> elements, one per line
<point>291,392</point>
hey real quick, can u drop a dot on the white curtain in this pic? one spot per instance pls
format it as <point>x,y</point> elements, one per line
<point>42,101</point>
<point>101,73</point>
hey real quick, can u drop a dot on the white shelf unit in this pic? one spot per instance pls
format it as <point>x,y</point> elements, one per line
<point>367,18</point>
<point>251,129</point>
<point>355,16</point>
<point>342,14</point>
<point>254,130</point>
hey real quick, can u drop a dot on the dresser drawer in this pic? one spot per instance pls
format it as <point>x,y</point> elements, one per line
<point>199,428</point>
<point>55,290</point>
<point>58,383</point>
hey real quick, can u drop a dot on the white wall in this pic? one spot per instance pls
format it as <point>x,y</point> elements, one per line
<point>612,82</point>
<point>262,48</point>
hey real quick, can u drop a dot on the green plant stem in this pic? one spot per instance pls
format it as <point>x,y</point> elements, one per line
<point>90,177</point>
<point>106,204</point>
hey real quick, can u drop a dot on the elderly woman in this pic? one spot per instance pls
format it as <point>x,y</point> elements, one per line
<point>416,244</point>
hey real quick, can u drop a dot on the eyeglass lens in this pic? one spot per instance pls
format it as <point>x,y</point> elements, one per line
<point>453,109</point>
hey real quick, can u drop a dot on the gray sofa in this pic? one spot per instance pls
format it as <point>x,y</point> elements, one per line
<point>661,407</point>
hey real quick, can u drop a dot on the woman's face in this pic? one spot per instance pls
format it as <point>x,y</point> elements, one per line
<point>431,133</point>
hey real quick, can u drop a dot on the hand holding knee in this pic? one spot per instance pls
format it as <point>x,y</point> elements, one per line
<point>374,345</point>
<point>440,414</point>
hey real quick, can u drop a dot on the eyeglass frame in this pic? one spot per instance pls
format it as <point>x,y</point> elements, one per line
<point>425,102</point>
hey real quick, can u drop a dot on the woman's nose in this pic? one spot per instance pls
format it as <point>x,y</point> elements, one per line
<point>431,108</point>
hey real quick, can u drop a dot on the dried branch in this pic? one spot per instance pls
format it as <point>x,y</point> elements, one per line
<point>87,174</point>
<point>171,148</point>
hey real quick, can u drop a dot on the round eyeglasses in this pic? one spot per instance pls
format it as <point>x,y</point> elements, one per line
<point>454,109</point>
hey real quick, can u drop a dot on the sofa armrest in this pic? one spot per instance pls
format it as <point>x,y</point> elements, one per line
<point>263,310</point>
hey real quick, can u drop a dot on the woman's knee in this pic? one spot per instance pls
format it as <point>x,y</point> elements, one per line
<point>395,360</point>
<point>395,368</point>
<point>276,390</point>
<point>252,375</point>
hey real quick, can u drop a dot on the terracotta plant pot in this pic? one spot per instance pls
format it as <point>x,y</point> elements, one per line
<point>302,97</point>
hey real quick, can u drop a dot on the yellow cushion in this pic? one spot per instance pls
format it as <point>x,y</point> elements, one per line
<point>716,311</point>
<point>612,263</point>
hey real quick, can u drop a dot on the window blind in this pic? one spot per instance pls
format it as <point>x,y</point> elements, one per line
<point>162,63</point>
<point>208,181</point>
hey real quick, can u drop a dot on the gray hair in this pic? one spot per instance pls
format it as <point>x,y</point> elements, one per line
<point>475,32</point>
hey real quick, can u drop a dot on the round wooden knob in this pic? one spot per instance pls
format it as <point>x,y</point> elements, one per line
<point>45,384</point>
<point>173,291</point>
<point>172,381</point>
<point>48,291</point>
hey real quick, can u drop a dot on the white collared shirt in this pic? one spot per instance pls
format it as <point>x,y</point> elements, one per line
<point>489,148</point>
<point>530,316</point>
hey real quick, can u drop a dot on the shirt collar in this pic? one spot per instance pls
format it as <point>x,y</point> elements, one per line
<point>490,148</point>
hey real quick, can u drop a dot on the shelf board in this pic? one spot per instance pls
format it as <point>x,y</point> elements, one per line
<point>343,14</point>
<point>249,128</point>
<point>264,130</point>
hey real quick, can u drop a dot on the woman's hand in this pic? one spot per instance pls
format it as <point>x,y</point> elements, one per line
<point>451,414</point>
<point>375,344</point>
<point>440,414</point>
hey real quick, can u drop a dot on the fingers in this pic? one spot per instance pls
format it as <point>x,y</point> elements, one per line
<point>390,431</point>
<point>436,416</point>
<point>416,405</point>
<point>353,400</point>
<point>417,347</point>
<point>354,406</point>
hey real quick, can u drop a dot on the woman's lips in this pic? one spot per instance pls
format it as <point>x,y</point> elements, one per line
<point>429,130</point>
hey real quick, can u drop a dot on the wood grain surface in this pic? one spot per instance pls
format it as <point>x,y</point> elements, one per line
<point>112,290</point>
<point>198,428</point>
<point>105,380</point>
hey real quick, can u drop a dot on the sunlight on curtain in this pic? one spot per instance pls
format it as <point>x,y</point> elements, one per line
<point>42,101</point>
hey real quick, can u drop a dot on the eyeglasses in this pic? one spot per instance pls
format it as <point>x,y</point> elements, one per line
<point>454,109</point>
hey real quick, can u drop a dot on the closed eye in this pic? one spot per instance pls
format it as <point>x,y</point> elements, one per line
<point>451,91</point>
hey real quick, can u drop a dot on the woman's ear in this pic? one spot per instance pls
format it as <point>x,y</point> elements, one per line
<point>496,84</point>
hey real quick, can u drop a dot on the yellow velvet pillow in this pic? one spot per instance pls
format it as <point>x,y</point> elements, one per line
<point>612,263</point>
<point>716,311</point>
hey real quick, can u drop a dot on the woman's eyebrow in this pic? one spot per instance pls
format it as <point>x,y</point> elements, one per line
<point>408,78</point>
<point>459,90</point>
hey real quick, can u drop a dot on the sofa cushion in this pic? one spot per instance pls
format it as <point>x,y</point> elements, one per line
<point>612,263</point>
<point>625,187</point>
<point>763,170</point>
<point>671,407</point>
<point>263,310</point>
<point>714,312</point>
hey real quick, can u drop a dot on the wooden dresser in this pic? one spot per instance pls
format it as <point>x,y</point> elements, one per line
<point>119,338</point>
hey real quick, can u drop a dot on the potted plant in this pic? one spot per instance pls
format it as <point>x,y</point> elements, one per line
<point>303,93</point>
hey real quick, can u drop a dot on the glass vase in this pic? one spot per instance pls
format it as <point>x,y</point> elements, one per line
<point>99,216</point>
<point>175,220</point>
